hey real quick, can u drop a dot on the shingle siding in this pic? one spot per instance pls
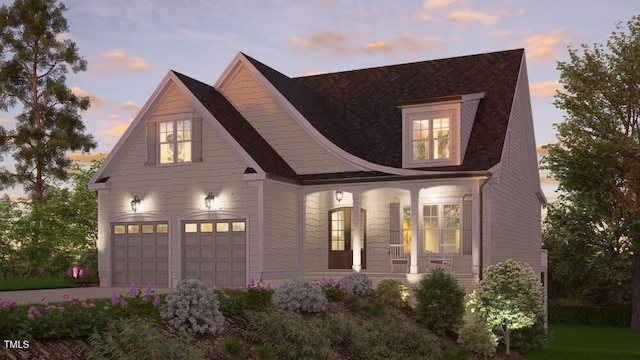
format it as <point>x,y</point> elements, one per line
<point>174,191</point>
<point>281,227</point>
<point>514,207</point>
<point>301,151</point>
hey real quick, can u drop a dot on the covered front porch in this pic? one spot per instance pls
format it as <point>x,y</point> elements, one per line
<point>364,227</point>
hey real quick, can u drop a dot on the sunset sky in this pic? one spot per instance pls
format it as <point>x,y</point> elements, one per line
<point>131,44</point>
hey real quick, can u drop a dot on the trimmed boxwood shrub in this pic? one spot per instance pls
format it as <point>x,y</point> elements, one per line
<point>589,315</point>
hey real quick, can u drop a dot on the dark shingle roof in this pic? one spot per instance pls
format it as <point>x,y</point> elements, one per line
<point>358,110</point>
<point>250,140</point>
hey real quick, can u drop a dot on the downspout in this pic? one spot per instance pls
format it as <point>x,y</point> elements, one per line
<point>481,230</point>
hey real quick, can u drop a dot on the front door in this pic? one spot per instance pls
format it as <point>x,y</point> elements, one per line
<point>341,239</point>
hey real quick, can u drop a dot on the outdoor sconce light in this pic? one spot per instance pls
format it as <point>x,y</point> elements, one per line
<point>339,195</point>
<point>135,203</point>
<point>208,201</point>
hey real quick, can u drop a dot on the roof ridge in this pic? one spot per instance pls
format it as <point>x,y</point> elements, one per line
<point>381,67</point>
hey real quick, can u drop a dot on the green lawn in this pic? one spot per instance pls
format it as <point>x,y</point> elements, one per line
<point>31,284</point>
<point>590,343</point>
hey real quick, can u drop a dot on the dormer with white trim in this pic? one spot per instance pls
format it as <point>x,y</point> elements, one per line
<point>435,132</point>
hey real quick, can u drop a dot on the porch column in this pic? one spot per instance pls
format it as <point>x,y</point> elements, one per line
<point>476,251</point>
<point>356,246</point>
<point>413,268</point>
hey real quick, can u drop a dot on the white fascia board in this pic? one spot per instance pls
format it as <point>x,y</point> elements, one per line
<point>231,68</point>
<point>255,176</point>
<point>133,130</point>
<point>139,122</point>
<point>471,97</point>
<point>97,186</point>
<point>202,110</point>
<point>359,163</point>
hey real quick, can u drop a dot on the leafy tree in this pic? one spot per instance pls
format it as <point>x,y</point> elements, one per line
<point>34,61</point>
<point>598,151</point>
<point>579,235</point>
<point>50,236</point>
<point>509,297</point>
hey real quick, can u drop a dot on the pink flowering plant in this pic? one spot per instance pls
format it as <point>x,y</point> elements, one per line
<point>69,318</point>
<point>80,275</point>
<point>332,289</point>
<point>232,301</point>
<point>137,302</point>
<point>75,317</point>
<point>258,293</point>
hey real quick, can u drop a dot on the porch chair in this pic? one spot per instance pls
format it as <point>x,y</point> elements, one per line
<point>444,259</point>
<point>398,256</point>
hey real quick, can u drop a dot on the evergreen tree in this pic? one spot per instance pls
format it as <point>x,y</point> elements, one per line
<point>34,60</point>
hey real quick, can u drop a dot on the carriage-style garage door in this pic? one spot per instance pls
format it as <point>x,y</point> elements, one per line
<point>140,253</point>
<point>214,251</point>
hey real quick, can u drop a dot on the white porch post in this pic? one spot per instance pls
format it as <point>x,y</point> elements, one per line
<point>355,234</point>
<point>413,268</point>
<point>476,251</point>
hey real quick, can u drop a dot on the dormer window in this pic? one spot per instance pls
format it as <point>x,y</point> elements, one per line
<point>431,138</point>
<point>436,131</point>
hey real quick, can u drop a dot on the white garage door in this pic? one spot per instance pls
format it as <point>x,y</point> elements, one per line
<point>214,252</point>
<point>140,253</point>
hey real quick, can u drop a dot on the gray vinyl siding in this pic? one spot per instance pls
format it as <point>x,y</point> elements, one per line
<point>514,208</point>
<point>299,149</point>
<point>171,192</point>
<point>281,227</point>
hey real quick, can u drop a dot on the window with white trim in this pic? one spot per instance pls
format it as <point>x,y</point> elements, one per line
<point>431,138</point>
<point>441,224</point>
<point>430,135</point>
<point>174,142</point>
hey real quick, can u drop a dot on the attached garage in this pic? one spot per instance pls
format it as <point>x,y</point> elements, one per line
<point>214,251</point>
<point>140,253</point>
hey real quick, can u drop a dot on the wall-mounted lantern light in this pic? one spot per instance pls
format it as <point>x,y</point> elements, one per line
<point>339,195</point>
<point>135,203</point>
<point>208,201</point>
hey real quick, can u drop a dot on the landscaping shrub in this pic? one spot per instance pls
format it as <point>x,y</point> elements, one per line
<point>136,303</point>
<point>300,295</point>
<point>387,337</point>
<point>355,284</point>
<point>70,318</point>
<point>589,315</point>
<point>258,294</point>
<point>140,339</point>
<point>440,302</point>
<point>393,292</point>
<point>265,352</point>
<point>234,347</point>
<point>509,297</point>
<point>193,307</point>
<point>290,336</point>
<point>476,337</point>
<point>353,303</point>
<point>530,338</point>
<point>332,290</point>
<point>231,302</point>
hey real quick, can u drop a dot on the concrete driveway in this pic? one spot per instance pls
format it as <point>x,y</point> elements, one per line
<point>54,295</point>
